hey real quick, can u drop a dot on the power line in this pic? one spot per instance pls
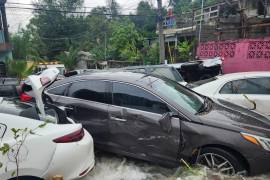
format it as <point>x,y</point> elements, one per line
<point>78,12</point>
<point>43,5</point>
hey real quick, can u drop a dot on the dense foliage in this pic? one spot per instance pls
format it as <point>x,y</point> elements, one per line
<point>55,28</point>
<point>103,32</point>
<point>181,6</point>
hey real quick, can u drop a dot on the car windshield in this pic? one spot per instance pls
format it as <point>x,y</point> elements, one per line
<point>167,72</point>
<point>181,96</point>
<point>201,82</point>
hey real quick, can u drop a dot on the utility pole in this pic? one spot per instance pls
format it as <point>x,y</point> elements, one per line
<point>160,31</point>
<point>200,29</point>
<point>4,19</point>
<point>105,46</point>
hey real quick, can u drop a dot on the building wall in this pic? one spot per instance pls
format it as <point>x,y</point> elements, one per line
<point>239,55</point>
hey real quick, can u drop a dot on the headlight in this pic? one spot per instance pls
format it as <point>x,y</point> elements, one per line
<point>260,141</point>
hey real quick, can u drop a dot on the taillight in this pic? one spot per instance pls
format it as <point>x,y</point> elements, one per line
<point>25,98</point>
<point>72,137</point>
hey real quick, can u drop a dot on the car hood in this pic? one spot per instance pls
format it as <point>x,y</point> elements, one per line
<point>226,115</point>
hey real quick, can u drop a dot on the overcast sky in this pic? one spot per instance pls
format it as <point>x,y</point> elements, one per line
<point>19,17</point>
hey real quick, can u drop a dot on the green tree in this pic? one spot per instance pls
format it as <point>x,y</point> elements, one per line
<point>181,6</point>
<point>19,69</point>
<point>23,47</point>
<point>152,55</point>
<point>57,27</point>
<point>126,41</point>
<point>113,8</point>
<point>98,33</point>
<point>185,48</point>
<point>69,59</point>
<point>145,22</point>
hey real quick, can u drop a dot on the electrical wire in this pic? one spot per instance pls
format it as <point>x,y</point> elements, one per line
<point>43,5</point>
<point>78,12</point>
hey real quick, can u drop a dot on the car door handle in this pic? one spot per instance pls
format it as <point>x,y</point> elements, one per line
<point>118,119</point>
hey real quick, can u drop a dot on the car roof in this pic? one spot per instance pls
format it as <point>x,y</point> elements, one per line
<point>245,74</point>
<point>148,66</point>
<point>135,78</point>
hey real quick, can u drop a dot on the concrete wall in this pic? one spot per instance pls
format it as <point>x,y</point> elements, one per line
<point>239,55</point>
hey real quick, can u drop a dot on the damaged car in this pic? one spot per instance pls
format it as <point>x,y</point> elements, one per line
<point>156,119</point>
<point>52,144</point>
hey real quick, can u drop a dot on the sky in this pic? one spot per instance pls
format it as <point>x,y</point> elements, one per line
<point>19,17</point>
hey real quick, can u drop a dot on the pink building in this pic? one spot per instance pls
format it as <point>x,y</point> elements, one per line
<point>239,55</point>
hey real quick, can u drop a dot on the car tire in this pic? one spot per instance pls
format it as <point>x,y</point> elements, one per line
<point>225,162</point>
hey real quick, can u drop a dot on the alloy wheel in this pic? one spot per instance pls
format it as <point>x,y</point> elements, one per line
<point>216,163</point>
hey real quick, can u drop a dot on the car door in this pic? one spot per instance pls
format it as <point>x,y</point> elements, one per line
<point>252,93</point>
<point>86,102</point>
<point>228,93</point>
<point>135,124</point>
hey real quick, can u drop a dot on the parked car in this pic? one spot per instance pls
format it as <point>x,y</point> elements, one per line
<point>160,70</point>
<point>156,119</point>
<point>200,69</point>
<point>8,87</point>
<point>65,150</point>
<point>249,89</point>
<point>61,147</point>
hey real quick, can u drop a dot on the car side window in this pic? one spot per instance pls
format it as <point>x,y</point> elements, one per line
<point>136,98</point>
<point>249,86</point>
<point>227,89</point>
<point>252,86</point>
<point>92,90</point>
<point>60,90</point>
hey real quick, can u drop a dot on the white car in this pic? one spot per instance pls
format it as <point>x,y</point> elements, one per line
<point>248,89</point>
<point>64,150</point>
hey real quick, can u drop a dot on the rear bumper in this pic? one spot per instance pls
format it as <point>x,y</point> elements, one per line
<point>73,160</point>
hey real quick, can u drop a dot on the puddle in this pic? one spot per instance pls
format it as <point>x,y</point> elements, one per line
<point>113,167</point>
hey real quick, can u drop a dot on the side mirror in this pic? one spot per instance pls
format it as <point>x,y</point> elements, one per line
<point>166,122</point>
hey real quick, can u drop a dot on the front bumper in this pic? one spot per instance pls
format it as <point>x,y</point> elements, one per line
<point>259,163</point>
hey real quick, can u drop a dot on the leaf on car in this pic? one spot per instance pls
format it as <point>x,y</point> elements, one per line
<point>15,131</point>
<point>5,148</point>
<point>42,125</point>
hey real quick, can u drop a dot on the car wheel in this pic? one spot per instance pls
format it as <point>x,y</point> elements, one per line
<point>221,161</point>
